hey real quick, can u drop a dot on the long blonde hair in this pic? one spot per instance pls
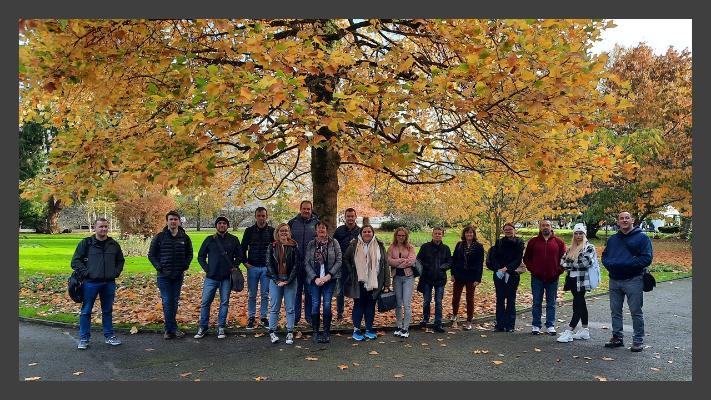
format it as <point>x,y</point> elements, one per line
<point>574,250</point>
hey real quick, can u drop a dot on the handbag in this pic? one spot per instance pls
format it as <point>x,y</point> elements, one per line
<point>387,301</point>
<point>74,287</point>
<point>648,281</point>
<point>236,277</point>
<point>417,268</point>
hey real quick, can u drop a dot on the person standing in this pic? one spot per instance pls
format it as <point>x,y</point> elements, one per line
<point>255,242</point>
<point>401,258</point>
<point>323,267</point>
<point>170,253</point>
<point>282,268</point>
<point>436,259</point>
<point>219,254</point>
<point>542,257</point>
<point>98,261</point>
<point>627,255</point>
<point>344,234</point>
<point>367,275</point>
<point>579,261</point>
<point>504,259</point>
<point>467,268</point>
<point>303,230</point>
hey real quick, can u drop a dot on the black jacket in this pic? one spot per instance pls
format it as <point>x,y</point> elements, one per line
<point>94,262</point>
<point>171,256</point>
<point>293,262</point>
<point>436,259</point>
<point>468,268</point>
<point>212,260</point>
<point>343,236</point>
<point>505,253</point>
<point>254,244</point>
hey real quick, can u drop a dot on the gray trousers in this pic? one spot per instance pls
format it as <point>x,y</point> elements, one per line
<point>403,294</point>
<point>632,288</point>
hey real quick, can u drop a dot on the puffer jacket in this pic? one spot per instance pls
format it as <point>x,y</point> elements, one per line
<point>95,263</point>
<point>255,242</point>
<point>171,255</point>
<point>303,231</point>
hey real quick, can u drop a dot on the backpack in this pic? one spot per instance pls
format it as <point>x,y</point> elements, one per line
<point>74,288</point>
<point>594,274</point>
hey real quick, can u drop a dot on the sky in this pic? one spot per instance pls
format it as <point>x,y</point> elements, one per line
<point>658,33</point>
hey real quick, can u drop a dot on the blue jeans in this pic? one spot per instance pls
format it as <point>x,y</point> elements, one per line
<point>340,298</point>
<point>106,292</point>
<point>170,296</point>
<point>257,275</point>
<point>302,287</point>
<point>537,289</point>
<point>427,299</point>
<point>632,288</point>
<point>364,305</point>
<point>208,295</point>
<point>288,293</point>
<point>325,291</point>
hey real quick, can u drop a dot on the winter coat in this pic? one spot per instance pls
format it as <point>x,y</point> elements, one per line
<point>171,255</point>
<point>624,262</point>
<point>255,242</point>
<point>334,260</point>
<point>344,236</point>
<point>436,259</point>
<point>212,260</point>
<point>578,269</point>
<point>303,231</point>
<point>468,267</point>
<point>351,287</point>
<point>97,263</point>
<point>292,258</point>
<point>542,257</point>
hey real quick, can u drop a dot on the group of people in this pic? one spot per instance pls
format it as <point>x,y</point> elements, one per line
<point>300,258</point>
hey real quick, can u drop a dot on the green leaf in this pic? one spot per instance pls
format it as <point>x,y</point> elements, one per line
<point>212,69</point>
<point>197,99</point>
<point>281,145</point>
<point>152,88</point>
<point>484,54</point>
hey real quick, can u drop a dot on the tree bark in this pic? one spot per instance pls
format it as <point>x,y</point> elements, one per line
<point>324,175</point>
<point>53,208</point>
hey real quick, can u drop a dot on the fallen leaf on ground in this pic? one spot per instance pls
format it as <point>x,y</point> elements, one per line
<point>428,330</point>
<point>576,357</point>
<point>310,358</point>
<point>297,346</point>
<point>354,344</point>
<point>373,352</point>
<point>425,344</point>
<point>439,339</point>
<point>376,366</point>
<point>382,342</point>
<point>355,364</point>
<point>243,335</point>
<point>443,344</point>
<point>604,327</point>
<point>184,374</point>
<point>497,362</point>
<point>670,361</point>
<point>485,351</point>
<point>33,378</point>
<point>536,349</point>
<point>298,335</point>
<point>201,370</point>
<point>501,355</point>
<point>408,345</point>
<point>608,359</point>
<point>654,369</point>
<point>587,358</point>
<point>149,349</point>
<point>196,380</point>
<point>260,378</point>
<point>342,367</point>
<point>260,334</point>
<point>398,376</point>
<point>601,378</point>
<point>482,335</point>
<point>134,330</point>
<point>77,373</point>
<point>557,360</point>
<point>31,364</point>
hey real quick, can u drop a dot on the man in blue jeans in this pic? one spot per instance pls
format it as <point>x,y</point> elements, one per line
<point>542,257</point>
<point>344,234</point>
<point>255,242</point>
<point>218,256</point>
<point>303,230</point>
<point>170,254</point>
<point>626,256</point>
<point>98,261</point>
<point>436,259</point>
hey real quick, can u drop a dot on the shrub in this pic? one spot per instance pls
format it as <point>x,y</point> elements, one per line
<point>670,229</point>
<point>134,245</point>
<point>394,224</point>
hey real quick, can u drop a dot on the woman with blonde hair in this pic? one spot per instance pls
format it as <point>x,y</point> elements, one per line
<point>282,269</point>
<point>580,260</point>
<point>401,258</point>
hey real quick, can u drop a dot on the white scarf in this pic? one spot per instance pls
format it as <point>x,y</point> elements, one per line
<point>367,262</point>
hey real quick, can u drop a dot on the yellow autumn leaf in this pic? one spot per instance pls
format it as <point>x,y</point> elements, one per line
<point>398,376</point>
<point>134,330</point>
<point>260,378</point>
<point>311,358</point>
<point>497,362</point>
<point>342,367</point>
<point>373,352</point>
<point>33,378</point>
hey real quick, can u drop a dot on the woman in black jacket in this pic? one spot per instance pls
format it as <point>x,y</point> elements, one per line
<point>505,259</point>
<point>467,267</point>
<point>282,269</point>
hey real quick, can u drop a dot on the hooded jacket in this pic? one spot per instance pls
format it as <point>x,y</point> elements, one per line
<point>94,262</point>
<point>626,256</point>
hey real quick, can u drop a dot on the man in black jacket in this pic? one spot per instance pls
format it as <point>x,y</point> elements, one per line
<point>98,260</point>
<point>218,256</point>
<point>344,234</point>
<point>170,253</point>
<point>255,242</point>
<point>303,230</point>
<point>436,259</point>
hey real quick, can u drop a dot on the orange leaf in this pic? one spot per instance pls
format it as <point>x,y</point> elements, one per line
<point>498,362</point>
<point>342,367</point>
<point>184,374</point>
<point>33,378</point>
<point>260,378</point>
<point>601,378</point>
<point>373,352</point>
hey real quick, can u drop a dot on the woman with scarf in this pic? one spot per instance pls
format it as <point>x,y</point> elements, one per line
<point>467,268</point>
<point>504,258</point>
<point>323,267</point>
<point>578,261</point>
<point>401,258</point>
<point>366,275</point>
<point>282,269</point>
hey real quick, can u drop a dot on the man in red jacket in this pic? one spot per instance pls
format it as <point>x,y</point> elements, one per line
<point>542,258</point>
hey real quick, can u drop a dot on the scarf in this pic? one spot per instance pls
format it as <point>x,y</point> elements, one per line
<point>367,263</point>
<point>281,270</point>
<point>321,255</point>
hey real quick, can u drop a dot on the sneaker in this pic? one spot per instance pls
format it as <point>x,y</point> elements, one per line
<point>439,329</point>
<point>566,336</point>
<point>535,330</point>
<point>583,333</point>
<point>273,337</point>
<point>357,336</point>
<point>509,329</point>
<point>371,335</point>
<point>468,326</point>
<point>250,323</point>
<point>83,344</point>
<point>614,342</point>
<point>397,332</point>
<point>113,340</point>
<point>551,331</point>
<point>221,332</point>
<point>179,334</point>
<point>265,323</point>
<point>200,333</point>
<point>316,338</point>
<point>637,347</point>
<point>423,324</point>
<point>454,322</point>
<point>168,335</point>
<point>404,334</point>
<point>289,338</point>
<point>326,337</point>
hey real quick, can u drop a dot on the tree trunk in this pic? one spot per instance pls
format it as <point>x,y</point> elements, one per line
<point>324,175</point>
<point>53,208</point>
<point>198,215</point>
<point>685,227</point>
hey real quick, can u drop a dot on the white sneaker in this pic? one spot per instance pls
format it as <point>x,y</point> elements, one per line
<point>404,334</point>
<point>273,337</point>
<point>551,330</point>
<point>455,323</point>
<point>583,333</point>
<point>535,330</point>
<point>566,336</point>
<point>289,338</point>
<point>221,333</point>
<point>397,332</point>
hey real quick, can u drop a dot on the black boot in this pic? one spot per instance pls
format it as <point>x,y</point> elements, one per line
<point>315,322</point>
<point>326,338</point>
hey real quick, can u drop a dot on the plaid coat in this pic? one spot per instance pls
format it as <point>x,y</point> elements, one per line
<point>578,269</point>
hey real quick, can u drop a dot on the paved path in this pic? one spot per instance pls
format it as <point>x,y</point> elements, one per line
<point>50,352</point>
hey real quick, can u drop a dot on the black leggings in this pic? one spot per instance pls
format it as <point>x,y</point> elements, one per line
<point>580,309</point>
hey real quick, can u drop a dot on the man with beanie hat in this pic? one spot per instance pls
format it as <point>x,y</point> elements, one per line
<point>218,256</point>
